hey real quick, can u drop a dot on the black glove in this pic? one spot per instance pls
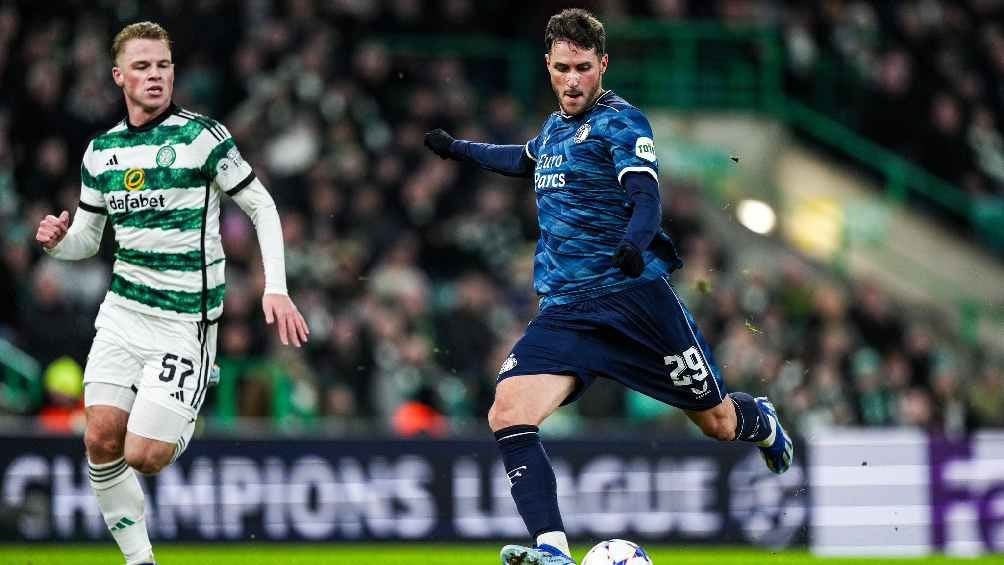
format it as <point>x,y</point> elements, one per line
<point>628,259</point>
<point>439,142</point>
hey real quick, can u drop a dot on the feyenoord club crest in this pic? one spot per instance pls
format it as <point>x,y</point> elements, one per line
<point>582,133</point>
<point>509,364</point>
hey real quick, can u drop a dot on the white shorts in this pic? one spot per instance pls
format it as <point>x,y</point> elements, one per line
<point>157,369</point>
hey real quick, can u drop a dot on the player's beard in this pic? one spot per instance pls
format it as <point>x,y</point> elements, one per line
<point>588,98</point>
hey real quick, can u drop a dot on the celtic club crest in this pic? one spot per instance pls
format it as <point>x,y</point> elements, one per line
<point>166,156</point>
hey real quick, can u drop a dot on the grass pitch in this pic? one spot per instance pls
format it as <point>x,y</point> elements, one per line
<point>423,554</point>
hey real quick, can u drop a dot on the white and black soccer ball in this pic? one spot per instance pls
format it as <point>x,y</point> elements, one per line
<point>616,552</point>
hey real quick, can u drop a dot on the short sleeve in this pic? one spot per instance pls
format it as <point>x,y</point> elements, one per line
<point>91,198</point>
<point>632,144</point>
<point>224,165</point>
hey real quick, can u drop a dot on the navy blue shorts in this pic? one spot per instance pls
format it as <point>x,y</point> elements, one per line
<point>642,337</point>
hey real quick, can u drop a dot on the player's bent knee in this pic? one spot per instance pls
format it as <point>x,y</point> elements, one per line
<point>103,444</point>
<point>145,466</point>
<point>717,429</point>
<point>155,434</point>
<point>496,418</point>
<point>714,425</point>
<point>718,422</point>
<point>147,463</point>
<point>504,414</point>
<point>527,400</point>
<point>104,435</point>
<point>147,456</point>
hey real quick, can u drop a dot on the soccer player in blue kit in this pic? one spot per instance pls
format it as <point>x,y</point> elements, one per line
<point>607,308</point>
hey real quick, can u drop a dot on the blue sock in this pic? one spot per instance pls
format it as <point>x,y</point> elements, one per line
<point>751,424</point>
<point>531,478</point>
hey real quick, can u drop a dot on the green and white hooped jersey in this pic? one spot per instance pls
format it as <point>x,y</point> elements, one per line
<point>160,186</point>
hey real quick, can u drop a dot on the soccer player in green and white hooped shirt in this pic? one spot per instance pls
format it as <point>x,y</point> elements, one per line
<point>158,176</point>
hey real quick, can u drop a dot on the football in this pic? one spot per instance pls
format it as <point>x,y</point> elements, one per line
<point>616,552</point>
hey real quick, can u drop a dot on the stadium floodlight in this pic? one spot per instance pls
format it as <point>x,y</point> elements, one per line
<point>757,216</point>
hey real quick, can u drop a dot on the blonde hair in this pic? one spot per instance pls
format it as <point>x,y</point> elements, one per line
<point>139,30</point>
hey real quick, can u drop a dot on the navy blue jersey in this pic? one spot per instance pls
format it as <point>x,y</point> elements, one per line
<point>583,210</point>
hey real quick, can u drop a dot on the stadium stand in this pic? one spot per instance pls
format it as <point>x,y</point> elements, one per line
<point>414,273</point>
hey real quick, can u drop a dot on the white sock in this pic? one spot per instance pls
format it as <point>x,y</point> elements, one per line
<point>555,539</point>
<point>122,502</point>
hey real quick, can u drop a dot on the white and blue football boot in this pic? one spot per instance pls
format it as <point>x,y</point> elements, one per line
<point>779,453</point>
<point>543,554</point>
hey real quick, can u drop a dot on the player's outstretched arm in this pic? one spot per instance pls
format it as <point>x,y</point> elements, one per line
<point>508,160</point>
<point>71,242</point>
<point>279,309</point>
<point>440,143</point>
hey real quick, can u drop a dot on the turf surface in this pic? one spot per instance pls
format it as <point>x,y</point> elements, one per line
<point>425,554</point>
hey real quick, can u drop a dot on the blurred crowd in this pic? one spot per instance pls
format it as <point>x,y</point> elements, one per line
<point>413,273</point>
<point>924,78</point>
<point>837,354</point>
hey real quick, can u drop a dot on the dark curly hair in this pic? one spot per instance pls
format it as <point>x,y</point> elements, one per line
<point>577,26</point>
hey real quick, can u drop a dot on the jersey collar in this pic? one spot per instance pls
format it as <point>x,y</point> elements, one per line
<point>587,110</point>
<point>171,108</point>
